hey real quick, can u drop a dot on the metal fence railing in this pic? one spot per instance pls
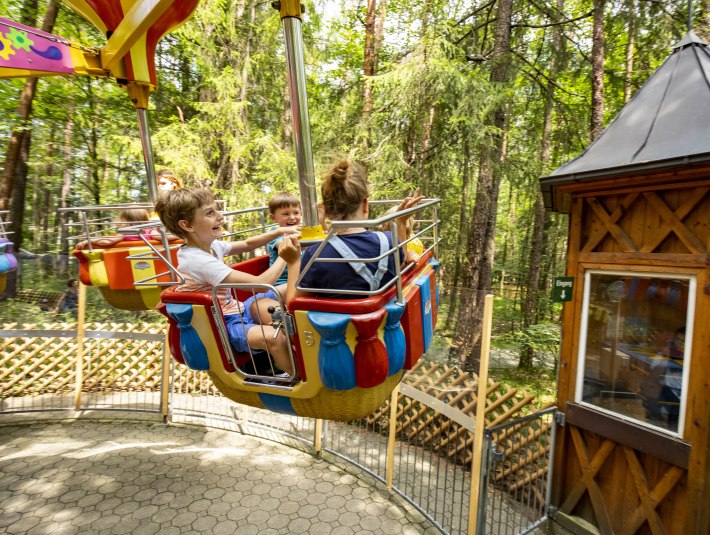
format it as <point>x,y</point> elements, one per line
<point>418,445</point>
<point>516,475</point>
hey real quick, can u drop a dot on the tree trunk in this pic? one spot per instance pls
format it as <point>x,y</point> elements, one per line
<point>461,234</point>
<point>630,46</point>
<point>19,187</point>
<point>286,122</point>
<point>24,111</point>
<point>41,207</point>
<point>242,129</point>
<point>380,28</point>
<point>537,244</point>
<point>370,58</point>
<point>597,115</point>
<point>425,178</point>
<point>480,247</point>
<point>65,190</point>
<point>14,146</point>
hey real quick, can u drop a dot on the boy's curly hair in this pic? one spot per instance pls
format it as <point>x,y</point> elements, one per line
<point>181,204</point>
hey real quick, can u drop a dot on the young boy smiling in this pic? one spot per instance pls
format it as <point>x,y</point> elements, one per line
<point>285,211</point>
<point>190,213</point>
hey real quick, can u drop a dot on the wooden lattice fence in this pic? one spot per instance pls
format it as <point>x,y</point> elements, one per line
<point>457,389</point>
<point>48,365</point>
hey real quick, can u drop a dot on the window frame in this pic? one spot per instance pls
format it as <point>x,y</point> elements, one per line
<point>691,278</point>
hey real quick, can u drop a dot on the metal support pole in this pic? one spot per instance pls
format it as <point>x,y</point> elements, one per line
<point>81,315</point>
<point>147,153</point>
<point>165,383</point>
<point>290,11</point>
<point>318,437</point>
<point>391,436</point>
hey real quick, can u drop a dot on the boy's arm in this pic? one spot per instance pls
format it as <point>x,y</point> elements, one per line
<point>253,242</point>
<point>290,251</point>
<point>267,277</point>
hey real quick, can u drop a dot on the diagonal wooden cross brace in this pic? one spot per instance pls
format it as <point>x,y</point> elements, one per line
<point>650,498</point>
<point>610,224</point>
<point>674,221</point>
<point>590,468</point>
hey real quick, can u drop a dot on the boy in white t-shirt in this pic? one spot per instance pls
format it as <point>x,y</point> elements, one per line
<point>190,213</point>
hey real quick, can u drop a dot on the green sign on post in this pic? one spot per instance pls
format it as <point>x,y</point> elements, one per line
<point>562,289</point>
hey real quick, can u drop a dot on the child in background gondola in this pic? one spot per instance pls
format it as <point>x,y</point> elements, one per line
<point>124,218</point>
<point>285,211</point>
<point>415,247</point>
<point>167,181</point>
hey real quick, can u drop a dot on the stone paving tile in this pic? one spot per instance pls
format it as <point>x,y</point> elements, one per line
<point>137,477</point>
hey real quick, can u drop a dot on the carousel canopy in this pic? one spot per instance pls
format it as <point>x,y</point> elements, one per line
<point>132,29</point>
<point>665,125</point>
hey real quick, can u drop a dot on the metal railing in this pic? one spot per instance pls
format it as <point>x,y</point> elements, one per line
<point>516,474</point>
<point>43,370</point>
<point>5,222</point>
<point>417,445</point>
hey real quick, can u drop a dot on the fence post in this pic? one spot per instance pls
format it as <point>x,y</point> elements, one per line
<point>481,398</point>
<point>165,383</point>
<point>391,436</point>
<point>318,437</point>
<point>81,315</point>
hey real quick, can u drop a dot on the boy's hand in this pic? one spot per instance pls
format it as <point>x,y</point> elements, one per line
<point>409,202</point>
<point>410,257</point>
<point>289,249</point>
<point>291,231</point>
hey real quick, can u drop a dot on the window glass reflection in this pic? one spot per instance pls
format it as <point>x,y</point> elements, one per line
<point>635,350</point>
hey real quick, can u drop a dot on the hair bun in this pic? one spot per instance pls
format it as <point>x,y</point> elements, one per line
<point>340,173</point>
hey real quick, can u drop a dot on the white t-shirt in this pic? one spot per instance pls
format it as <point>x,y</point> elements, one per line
<point>203,271</point>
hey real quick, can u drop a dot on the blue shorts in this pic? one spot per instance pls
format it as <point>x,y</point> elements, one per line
<point>238,325</point>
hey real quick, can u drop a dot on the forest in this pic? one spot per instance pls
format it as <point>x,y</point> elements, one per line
<point>472,101</point>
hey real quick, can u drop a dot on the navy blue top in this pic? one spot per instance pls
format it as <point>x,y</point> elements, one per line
<point>340,275</point>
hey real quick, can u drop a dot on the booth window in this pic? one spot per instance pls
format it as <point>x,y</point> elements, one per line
<point>635,346</point>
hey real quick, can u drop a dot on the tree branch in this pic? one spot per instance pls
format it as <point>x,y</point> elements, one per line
<point>566,21</point>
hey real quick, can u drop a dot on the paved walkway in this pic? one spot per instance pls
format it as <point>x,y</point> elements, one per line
<point>137,477</point>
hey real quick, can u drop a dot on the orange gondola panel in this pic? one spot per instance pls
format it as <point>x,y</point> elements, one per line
<point>115,275</point>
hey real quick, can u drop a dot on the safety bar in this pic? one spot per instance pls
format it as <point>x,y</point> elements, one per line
<point>224,336</point>
<point>3,215</point>
<point>369,223</point>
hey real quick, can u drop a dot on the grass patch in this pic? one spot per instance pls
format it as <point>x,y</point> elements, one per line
<point>540,382</point>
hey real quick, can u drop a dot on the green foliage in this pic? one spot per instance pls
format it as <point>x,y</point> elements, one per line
<point>543,338</point>
<point>221,116</point>
<point>539,382</point>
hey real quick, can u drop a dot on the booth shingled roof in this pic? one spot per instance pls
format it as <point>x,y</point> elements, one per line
<point>665,125</point>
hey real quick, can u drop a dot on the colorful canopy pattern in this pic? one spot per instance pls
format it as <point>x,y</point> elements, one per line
<point>25,51</point>
<point>132,28</point>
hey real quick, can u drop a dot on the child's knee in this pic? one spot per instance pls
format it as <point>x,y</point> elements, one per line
<point>259,310</point>
<point>277,344</point>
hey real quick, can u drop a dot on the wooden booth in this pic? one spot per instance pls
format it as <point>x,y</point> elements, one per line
<point>632,454</point>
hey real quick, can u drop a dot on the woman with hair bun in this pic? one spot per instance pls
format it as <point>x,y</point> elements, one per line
<point>345,192</point>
